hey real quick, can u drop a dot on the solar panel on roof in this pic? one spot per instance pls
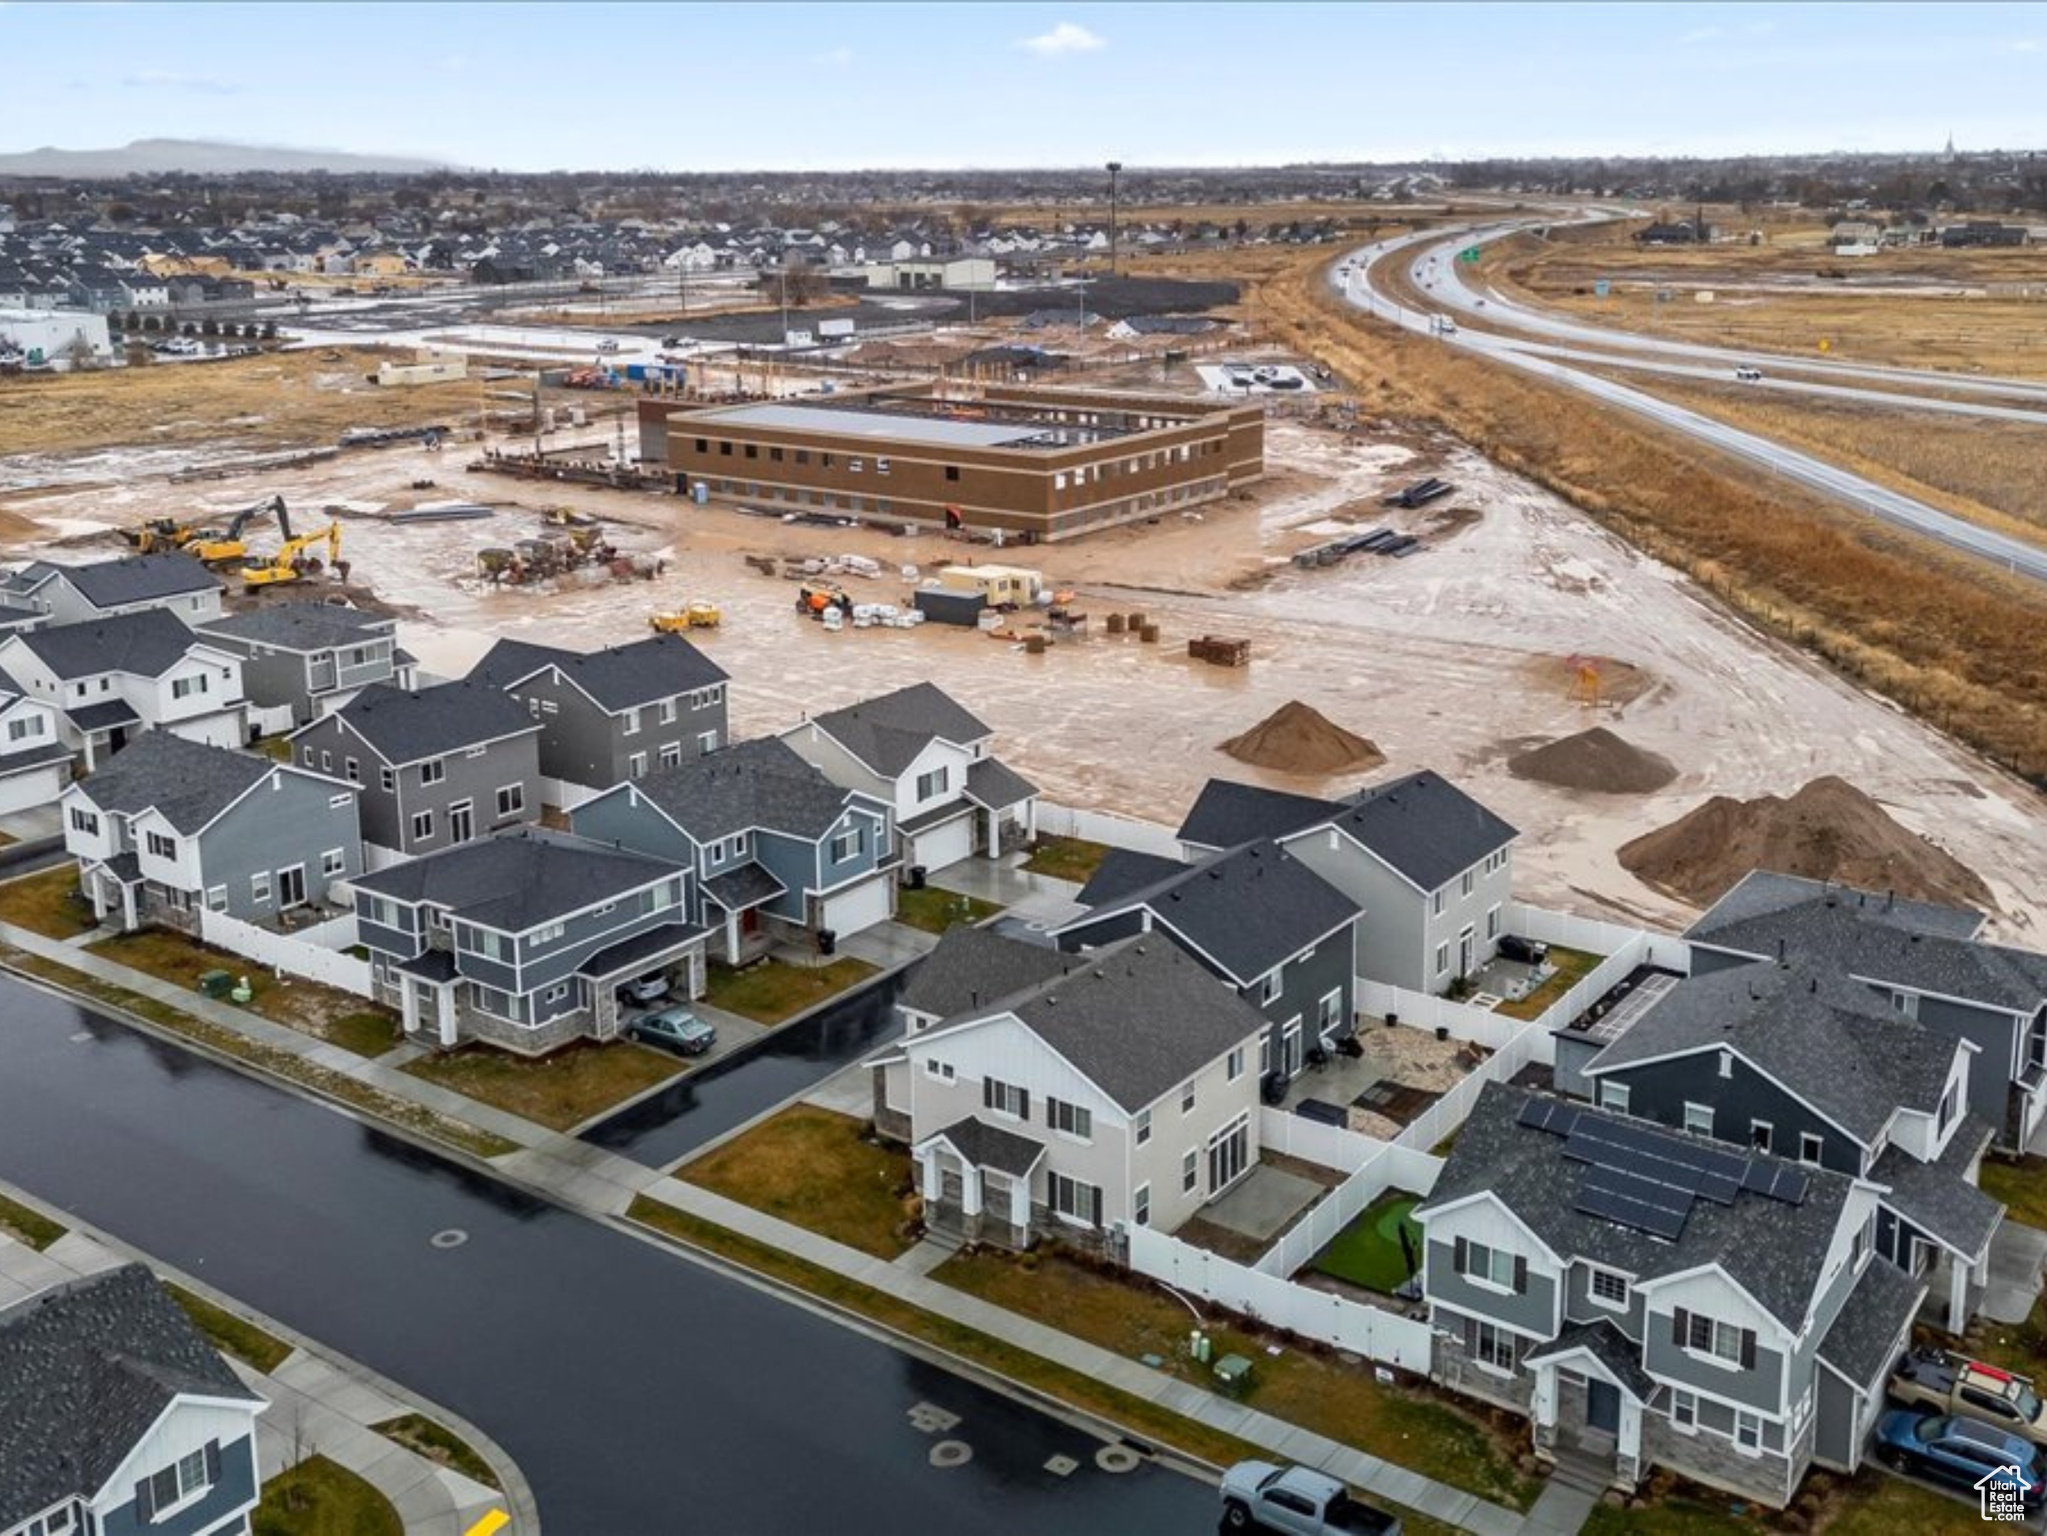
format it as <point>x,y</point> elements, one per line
<point>1608,1205</point>
<point>1774,1181</point>
<point>1548,1115</point>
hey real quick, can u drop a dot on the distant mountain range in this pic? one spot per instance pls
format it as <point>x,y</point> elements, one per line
<point>155,157</point>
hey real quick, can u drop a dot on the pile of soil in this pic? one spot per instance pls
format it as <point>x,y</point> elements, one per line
<point>1596,760</point>
<point>1298,739</point>
<point>1829,830</point>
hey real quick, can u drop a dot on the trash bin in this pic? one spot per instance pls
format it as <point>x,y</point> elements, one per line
<point>1233,1374</point>
<point>915,879</point>
<point>216,983</point>
<point>827,941</point>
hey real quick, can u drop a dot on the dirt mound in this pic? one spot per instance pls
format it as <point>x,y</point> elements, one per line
<point>1829,830</point>
<point>1297,739</point>
<point>1597,760</point>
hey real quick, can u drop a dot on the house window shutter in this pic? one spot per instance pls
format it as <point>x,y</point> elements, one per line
<point>1748,1349</point>
<point>1024,1102</point>
<point>1095,1204</point>
<point>987,1093</point>
<point>1457,1257</point>
<point>1680,1327</point>
<point>1520,1275</point>
<point>212,1463</point>
<point>145,1506</point>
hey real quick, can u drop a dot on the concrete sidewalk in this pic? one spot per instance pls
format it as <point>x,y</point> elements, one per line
<point>1028,898</point>
<point>319,1405</point>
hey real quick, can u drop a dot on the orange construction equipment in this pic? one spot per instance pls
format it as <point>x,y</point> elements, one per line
<point>814,597</point>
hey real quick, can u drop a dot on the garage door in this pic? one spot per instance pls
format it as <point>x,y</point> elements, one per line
<point>26,791</point>
<point>943,845</point>
<point>861,907</point>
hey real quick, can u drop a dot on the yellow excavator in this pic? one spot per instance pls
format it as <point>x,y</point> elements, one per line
<point>227,548</point>
<point>293,563</point>
<point>160,534</point>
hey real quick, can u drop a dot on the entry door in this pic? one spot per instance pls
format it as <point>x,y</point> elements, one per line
<point>1290,1049</point>
<point>1465,954</point>
<point>1603,1406</point>
<point>461,822</point>
<point>291,887</point>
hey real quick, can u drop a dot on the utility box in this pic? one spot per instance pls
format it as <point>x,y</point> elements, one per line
<point>942,607</point>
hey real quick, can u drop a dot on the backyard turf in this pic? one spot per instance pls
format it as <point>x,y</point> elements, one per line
<point>1367,1253</point>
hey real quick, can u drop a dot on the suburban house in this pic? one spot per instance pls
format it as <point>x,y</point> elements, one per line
<point>779,850</point>
<point>119,1416</point>
<point>35,764</point>
<point>1122,1090</point>
<point>71,594</point>
<point>109,678</point>
<point>523,939</point>
<point>311,658</point>
<point>1812,1067</point>
<point>924,754</point>
<point>168,826</point>
<point>1649,1299</point>
<point>1256,918</point>
<point>1922,961</point>
<point>971,968</point>
<point>436,767</point>
<point>615,714</point>
<point>1431,866</point>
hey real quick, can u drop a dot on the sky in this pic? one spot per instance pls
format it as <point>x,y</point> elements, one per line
<point>847,86</point>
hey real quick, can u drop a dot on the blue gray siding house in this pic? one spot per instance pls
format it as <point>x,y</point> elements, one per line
<point>522,940</point>
<point>311,658</point>
<point>778,849</point>
<point>119,1417</point>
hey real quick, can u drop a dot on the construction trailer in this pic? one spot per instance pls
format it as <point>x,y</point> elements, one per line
<point>942,607</point>
<point>1002,586</point>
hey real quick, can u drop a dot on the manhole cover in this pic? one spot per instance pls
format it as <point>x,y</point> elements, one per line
<point>452,1237</point>
<point>1062,1466</point>
<point>951,1453</point>
<point>1117,1458</point>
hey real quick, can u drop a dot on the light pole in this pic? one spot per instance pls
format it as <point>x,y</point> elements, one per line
<point>1115,169</point>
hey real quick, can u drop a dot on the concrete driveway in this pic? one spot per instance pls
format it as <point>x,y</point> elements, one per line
<point>2018,1253</point>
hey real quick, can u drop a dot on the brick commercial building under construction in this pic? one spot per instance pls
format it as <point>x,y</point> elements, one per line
<point>1044,463</point>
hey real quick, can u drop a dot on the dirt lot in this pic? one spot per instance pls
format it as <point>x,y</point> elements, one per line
<point>1448,659</point>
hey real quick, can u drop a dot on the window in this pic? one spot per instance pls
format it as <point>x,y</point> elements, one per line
<point>422,826</point>
<point>1609,1289</point>
<point>306,756</point>
<point>326,761</point>
<point>881,466</point>
<point>952,471</point>
<point>1492,922</point>
<point>1810,1146</point>
<point>1491,1266</point>
<point>931,784</point>
<point>1329,1014</point>
<point>668,711</point>
<point>1190,1171</point>
<point>1442,959</point>
<point>511,799</point>
<point>636,766</point>
<point>1006,1099</point>
<point>184,1479</point>
<point>161,847</point>
<point>845,846</point>
<point>632,723</point>
<point>387,779</point>
<point>216,898</point>
<point>671,754</point>
<point>1713,1339</point>
<point>1759,1135</point>
<point>333,862</point>
<point>802,455</point>
<point>351,770</point>
<point>1748,1431</point>
<point>1140,1205</point>
<point>1950,1102</point>
<point>1140,1127</point>
<point>1727,1063</point>
<point>1684,1410</point>
<point>1270,988</point>
<point>1070,1119</point>
<point>1074,1200</point>
<point>1436,904</point>
<point>703,445</point>
<point>1235,1064</point>
<point>432,771</point>
<point>336,802</point>
<point>1699,1119</point>
<point>185,687</point>
<point>707,742</point>
<point>1493,1346</point>
<point>84,821</point>
<point>1906,1003</point>
<point>1187,1097</point>
<point>725,450</point>
<point>259,887</point>
<point>22,729</point>
<point>1464,884</point>
<point>1614,1096</point>
<point>942,1070</point>
<point>753,450</point>
<point>1860,1245</point>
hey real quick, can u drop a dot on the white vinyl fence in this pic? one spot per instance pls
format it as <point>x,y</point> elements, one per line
<point>1106,827</point>
<point>1396,1167</point>
<point>314,952</point>
<point>1331,1146</point>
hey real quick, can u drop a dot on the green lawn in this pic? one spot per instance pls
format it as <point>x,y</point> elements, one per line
<point>771,991</point>
<point>438,1443</point>
<point>1368,1251</point>
<point>48,903</point>
<point>1572,966</point>
<point>32,1227</point>
<point>2021,1185</point>
<point>559,1090</point>
<point>1066,858</point>
<point>812,1167</point>
<point>319,1498</point>
<point>276,748</point>
<point>935,911</point>
<point>230,1333</point>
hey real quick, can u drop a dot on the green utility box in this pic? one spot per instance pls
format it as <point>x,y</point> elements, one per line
<point>1233,1374</point>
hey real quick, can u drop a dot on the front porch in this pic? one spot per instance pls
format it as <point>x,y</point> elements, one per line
<point>122,896</point>
<point>976,1181</point>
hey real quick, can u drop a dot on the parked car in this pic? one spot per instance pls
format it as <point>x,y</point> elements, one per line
<point>1297,1500</point>
<point>607,345</point>
<point>645,989</point>
<point>674,1029</point>
<point>1959,1452</point>
<point>671,341</point>
<point>1749,375</point>
<point>1944,1383</point>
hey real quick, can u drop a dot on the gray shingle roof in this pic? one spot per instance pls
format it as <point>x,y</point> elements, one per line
<point>1248,909</point>
<point>188,781</point>
<point>1859,933</point>
<point>1824,1039</point>
<point>758,783</point>
<point>103,717</point>
<point>517,880</point>
<point>1610,1347</point>
<point>1939,1197</point>
<point>990,1146</point>
<point>887,733</point>
<point>139,579</point>
<point>1869,1326</point>
<point>1124,871</point>
<point>619,677</point>
<point>1227,813</point>
<point>973,967</point>
<point>405,727</point>
<point>85,1369</point>
<point>301,626</point>
<point>1425,827</point>
<point>1138,1019</point>
<point>996,785</point>
<point>639,950</point>
<point>747,886</point>
<point>148,643</point>
<point>1773,1250</point>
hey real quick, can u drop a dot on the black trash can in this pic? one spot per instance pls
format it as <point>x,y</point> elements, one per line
<point>827,941</point>
<point>913,877</point>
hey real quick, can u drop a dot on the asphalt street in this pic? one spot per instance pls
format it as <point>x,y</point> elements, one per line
<point>639,1392</point>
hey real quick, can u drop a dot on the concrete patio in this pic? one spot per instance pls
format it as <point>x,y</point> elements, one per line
<point>2018,1254</point>
<point>1264,1203</point>
<point>1411,1057</point>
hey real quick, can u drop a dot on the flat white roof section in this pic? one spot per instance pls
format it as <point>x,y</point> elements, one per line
<point>876,424</point>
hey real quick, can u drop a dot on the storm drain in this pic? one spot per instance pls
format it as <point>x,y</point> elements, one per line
<point>450,1237</point>
<point>951,1453</point>
<point>1062,1466</point>
<point>1117,1458</point>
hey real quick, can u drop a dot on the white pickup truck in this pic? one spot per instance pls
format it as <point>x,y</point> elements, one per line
<point>1298,1501</point>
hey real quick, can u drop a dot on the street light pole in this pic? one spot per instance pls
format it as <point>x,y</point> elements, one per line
<point>1115,169</point>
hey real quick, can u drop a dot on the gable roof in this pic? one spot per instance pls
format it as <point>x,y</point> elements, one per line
<point>188,782</point>
<point>990,1146</point>
<point>1773,1250</point>
<point>1124,872</point>
<point>139,579</point>
<point>147,643</point>
<point>973,967</point>
<point>888,732</point>
<point>1248,909</point>
<point>1425,827</point>
<point>1860,933</point>
<point>757,783</point>
<point>85,1369</point>
<point>1860,1344</point>
<point>1137,1019</point>
<point>517,880</point>
<point>1227,813</point>
<point>995,785</point>
<point>404,727</point>
<point>301,626</point>
<point>617,678</point>
<point>1824,1039</point>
